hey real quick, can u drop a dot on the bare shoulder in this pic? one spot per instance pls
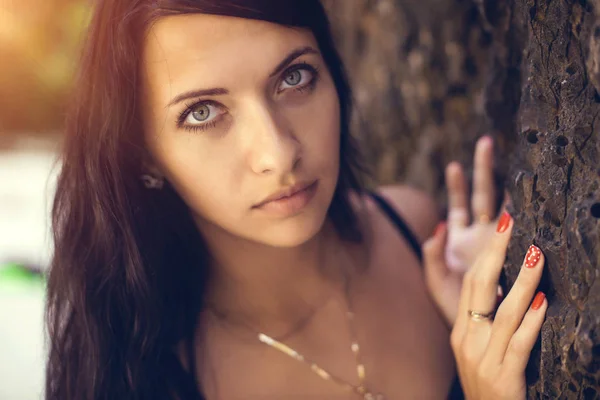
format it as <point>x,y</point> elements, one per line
<point>417,207</point>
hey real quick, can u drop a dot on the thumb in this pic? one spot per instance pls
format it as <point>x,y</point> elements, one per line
<point>434,255</point>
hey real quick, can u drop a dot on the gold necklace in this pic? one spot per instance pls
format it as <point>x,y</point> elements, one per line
<point>361,389</point>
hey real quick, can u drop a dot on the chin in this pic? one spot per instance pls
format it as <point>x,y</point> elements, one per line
<point>295,230</point>
<point>292,233</point>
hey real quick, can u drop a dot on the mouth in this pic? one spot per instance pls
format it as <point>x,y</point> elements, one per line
<point>287,193</point>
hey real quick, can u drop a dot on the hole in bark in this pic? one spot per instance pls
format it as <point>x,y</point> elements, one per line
<point>595,210</point>
<point>410,43</point>
<point>589,393</point>
<point>596,351</point>
<point>486,39</point>
<point>492,13</point>
<point>571,69</point>
<point>471,67</point>
<point>562,141</point>
<point>597,32</point>
<point>596,95</point>
<point>437,107</point>
<point>532,136</point>
<point>532,12</point>
<point>585,5</point>
<point>457,90</point>
<point>572,387</point>
<point>472,16</point>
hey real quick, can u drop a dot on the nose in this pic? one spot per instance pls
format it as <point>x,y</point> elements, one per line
<point>274,148</point>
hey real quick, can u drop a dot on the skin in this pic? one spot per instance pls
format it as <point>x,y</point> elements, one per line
<point>268,137</point>
<point>272,271</point>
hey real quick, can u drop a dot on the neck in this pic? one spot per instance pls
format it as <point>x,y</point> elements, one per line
<point>272,288</point>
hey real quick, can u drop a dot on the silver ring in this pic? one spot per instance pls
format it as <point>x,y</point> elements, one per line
<point>477,316</point>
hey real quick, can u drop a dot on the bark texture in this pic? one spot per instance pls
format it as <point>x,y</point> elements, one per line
<point>430,76</point>
<point>556,189</point>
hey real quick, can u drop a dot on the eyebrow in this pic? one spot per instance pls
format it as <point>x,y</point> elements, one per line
<point>222,91</point>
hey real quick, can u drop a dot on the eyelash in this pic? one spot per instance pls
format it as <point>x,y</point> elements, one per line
<point>208,125</point>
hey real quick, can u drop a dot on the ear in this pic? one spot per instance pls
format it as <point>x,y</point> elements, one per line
<point>152,177</point>
<point>150,167</point>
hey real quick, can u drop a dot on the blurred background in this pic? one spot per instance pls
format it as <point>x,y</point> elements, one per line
<point>38,53</point>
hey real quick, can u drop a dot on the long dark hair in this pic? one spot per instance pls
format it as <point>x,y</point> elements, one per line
<point>129,267</point>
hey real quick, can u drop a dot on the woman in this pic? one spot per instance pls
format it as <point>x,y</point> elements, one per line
<point>213,239</point>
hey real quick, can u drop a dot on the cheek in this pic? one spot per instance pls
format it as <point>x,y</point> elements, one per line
<point>318,129</point>
<point>203,176</point>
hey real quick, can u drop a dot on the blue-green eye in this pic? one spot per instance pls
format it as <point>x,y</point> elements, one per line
<point>200,115</point>
<point>293,78</point>
<point>299,77</point>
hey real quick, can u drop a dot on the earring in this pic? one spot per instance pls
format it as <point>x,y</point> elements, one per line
<point>152,182</point>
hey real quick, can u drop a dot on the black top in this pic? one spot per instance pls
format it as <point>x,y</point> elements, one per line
<point>185,381</point>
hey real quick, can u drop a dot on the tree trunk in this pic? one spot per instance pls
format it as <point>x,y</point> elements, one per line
<point>430,76</point>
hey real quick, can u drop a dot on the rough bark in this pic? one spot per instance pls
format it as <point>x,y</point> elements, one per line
<point>430,76</point>
<point>557,191</point>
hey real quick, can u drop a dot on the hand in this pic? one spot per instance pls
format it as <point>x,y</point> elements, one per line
<point>455,245</point>
<point>465,237</point>
<point>492,354</point>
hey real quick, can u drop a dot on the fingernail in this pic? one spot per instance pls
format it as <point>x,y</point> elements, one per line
<point>538,301</point>
<point>533,256</point>
<point>503,222</point>
<point>439,228</point>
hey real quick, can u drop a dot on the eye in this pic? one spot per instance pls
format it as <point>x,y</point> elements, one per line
<point>293,78</point>
<point>200,116</point>
<point>201,113</point>
<point>300,76</point>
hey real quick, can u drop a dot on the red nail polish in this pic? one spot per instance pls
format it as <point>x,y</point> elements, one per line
<point>503,222</point>
<point>533,256</point>
<point>439,228</point>
<point>538,301</point>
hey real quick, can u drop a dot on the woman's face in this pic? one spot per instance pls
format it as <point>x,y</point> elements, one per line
<point>237,112</point>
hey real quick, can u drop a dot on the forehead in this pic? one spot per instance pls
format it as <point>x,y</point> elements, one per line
<point>194,44</point>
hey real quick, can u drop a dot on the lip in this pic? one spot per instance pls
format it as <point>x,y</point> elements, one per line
<point>290,200</point>
<point>288,192</point>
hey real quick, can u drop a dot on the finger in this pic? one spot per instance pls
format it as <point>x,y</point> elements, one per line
<point>433,256</point>
<point>521,343</point>
<point>436,270</point>
<point>462,319</point>
<point>484,284</point>
<point>511,311</point>
<point>500,240</point>
<point>458,212</point>
<point>484,190</point>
